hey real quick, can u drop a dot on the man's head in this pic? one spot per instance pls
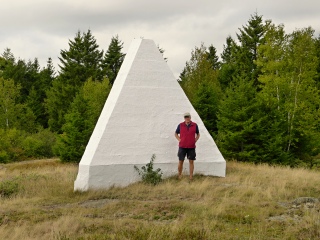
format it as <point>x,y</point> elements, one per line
<point>187,117</point>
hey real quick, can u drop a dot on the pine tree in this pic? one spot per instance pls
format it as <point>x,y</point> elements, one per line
<point>213,58</point>
<point>81,61</point>
<point>239,122</point>
<point>113,59</point>
<point>77,64</point>
<point>206,103</point>
<point>12,113</point>
<point>47,76</point>
<point>250,37</point>
<point>81,119</point>
<point>42,81</point>
<point>228,65</point>
<point>199,81</point>
<point>7,60</point>
<point>239,58</point>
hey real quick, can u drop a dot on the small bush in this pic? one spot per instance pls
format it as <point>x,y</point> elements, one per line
<point>32,147</point>
<point>39,144</point>
<point>149,175</point>
<point>4,158</point>
<point>8,188</point>
<point>11,140</point>
<point>48,140</point>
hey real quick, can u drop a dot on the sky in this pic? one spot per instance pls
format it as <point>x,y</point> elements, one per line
<point>42,28</point>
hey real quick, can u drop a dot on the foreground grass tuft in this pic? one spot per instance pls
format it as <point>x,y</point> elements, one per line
<point>252,202</point>
<point>8,188</point>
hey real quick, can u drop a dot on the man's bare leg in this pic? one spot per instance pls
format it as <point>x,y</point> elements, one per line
<point>191,168</point>
<point>180,166</point>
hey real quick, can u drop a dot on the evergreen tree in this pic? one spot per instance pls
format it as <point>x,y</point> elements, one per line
<point>77,64</point>
<point>113,59</point>
<point>81,61</point>
<point>206,103</point>
<point>250,37</point>
<point>239,122</point>
<point>37,94</point>
<point>12,113</point>
<point>81,120</point>
<point>47,76</point>
<point>228,65</point>
<point>7,60</point>
<point>26,74</point>
<point>200,83</point>
<point>213,58</point>
<point>239,59</point>
<point>17,71</point>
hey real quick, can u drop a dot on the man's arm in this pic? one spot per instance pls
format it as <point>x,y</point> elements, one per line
<point>197,136</point>
<point>197,133</point>
<point>177,136</point>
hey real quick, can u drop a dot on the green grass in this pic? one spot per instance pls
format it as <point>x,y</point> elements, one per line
<point>252,202</point>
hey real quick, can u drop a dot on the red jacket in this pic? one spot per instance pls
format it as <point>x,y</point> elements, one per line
<point>188,135</point>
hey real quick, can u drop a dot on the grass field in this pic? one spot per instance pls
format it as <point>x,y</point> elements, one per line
<point>252,202</point>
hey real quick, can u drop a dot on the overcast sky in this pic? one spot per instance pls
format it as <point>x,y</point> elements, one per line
<point>41,28</point>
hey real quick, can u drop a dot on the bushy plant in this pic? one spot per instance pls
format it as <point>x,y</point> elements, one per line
<point>16,145</point>
<point>32,146</point>
<point>149,175</point>
<point>81,120</point>
<point>11,140</point>
<point>39,144</point>
<point>4,158</point>
<point>8,188</point>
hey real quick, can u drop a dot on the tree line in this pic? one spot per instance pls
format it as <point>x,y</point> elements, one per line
<point>44,113</point>
<point>259,99</point>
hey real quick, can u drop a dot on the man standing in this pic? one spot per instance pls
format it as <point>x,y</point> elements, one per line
<point>187,134</point>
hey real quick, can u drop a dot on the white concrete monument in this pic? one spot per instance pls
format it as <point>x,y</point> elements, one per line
<point>140,116</point>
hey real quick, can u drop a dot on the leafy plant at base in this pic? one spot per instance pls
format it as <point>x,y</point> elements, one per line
<point>149,175</point>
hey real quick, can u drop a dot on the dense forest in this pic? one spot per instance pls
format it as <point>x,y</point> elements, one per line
<point>259,99</point>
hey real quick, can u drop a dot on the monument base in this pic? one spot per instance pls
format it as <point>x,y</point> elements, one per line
<point>121,175</point>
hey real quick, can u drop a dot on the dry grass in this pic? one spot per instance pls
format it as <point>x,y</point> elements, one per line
<point>252,202</point>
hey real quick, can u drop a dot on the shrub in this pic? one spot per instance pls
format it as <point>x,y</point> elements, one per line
<point>32,147</point>
<point>8,188</point>
<point>149,175</point>
<point>4,158</point>
<point>39,144</point>
<point>10,145</point>
<point>49,139</point>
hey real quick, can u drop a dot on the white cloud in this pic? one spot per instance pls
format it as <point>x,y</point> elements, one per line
<point>41,28</point>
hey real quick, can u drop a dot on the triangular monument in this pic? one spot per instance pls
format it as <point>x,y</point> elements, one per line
<point>139,119</point>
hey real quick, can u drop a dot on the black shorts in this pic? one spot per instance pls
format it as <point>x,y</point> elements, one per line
<point>190,152</point>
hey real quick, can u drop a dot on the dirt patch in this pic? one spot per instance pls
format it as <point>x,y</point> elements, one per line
<point>296,209</point>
